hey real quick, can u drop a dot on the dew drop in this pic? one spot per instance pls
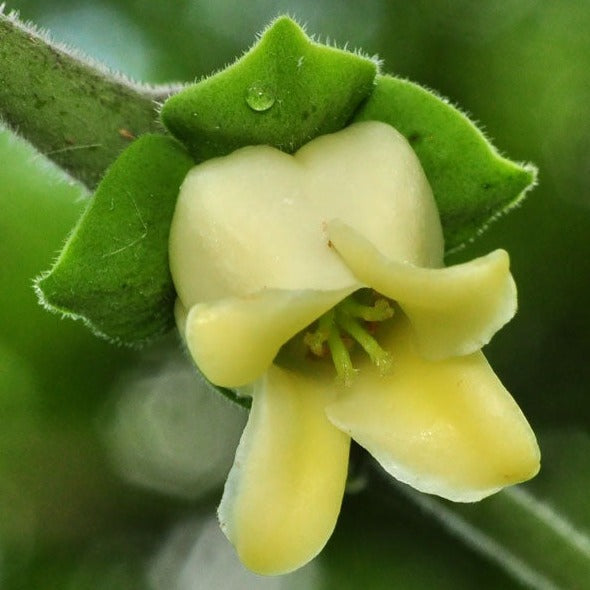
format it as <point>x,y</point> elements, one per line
<point>259,97</point>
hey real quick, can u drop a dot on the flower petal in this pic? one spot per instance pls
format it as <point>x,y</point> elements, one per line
<point>256,219</point>
<point>446,427</point>
<point>453,311</point>
<point>368,176</point>
<point>234,340</point>
<point>284,492</point>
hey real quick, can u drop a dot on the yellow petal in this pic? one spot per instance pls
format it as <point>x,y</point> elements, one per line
<point>233,341</point>
<point>243,223</point>
<point>284,492</point>
<point>453,311</point>
<point>444,427</point>
<point>368,176</point>
<point>256,219</point>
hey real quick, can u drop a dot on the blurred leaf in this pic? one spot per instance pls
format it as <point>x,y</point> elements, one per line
<point>538,532</point>
<point>38,211</point>
<point>285,91</point>
<point>113,272</point>
<point>471,182</point>
<point>383,542</point>
<point>104,563</point>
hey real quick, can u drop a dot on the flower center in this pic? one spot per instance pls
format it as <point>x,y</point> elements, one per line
<point>351,322</point>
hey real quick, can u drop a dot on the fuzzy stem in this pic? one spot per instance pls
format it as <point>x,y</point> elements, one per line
<point>75,113</point>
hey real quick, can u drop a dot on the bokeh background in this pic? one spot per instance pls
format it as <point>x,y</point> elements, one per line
<point>110,468</point>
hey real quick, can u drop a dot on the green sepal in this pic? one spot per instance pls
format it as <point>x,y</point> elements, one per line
<point>300,89</point>
<point>113,272</point>
<point>471,182</point>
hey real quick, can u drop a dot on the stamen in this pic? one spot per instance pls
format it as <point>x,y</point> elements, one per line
<point>379,357</point>
<point>316,341</point>
<point>341,358</point>
<point>349,322</point>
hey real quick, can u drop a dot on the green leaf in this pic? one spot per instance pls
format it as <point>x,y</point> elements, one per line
<point>285,91</point>
<point>471,182</point>
<point>537,532</point>
<point>113,271</point>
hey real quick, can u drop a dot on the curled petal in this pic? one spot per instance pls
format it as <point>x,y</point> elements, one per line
<point>453,311</point>
<point>284,492</point>
<point>444,427</point>
<point>234,340</point>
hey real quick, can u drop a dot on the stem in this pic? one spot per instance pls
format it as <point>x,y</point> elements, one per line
<point>76,114</point>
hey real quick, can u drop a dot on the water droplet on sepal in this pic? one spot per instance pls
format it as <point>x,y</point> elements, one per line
<point>259,97</point>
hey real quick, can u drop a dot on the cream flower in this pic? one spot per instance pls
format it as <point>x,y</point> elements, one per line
<point>262,245</point>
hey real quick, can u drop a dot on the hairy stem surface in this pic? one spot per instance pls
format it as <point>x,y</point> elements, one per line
<point>74,112</point>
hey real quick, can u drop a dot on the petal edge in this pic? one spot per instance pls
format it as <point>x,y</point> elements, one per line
<point>448,427</point>
<point>283,495</point>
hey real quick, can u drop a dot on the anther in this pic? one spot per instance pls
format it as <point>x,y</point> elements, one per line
<point>317,341</point>
<point>380,311</point>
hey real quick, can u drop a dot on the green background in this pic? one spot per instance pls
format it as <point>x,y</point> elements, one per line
<point>67,517</point>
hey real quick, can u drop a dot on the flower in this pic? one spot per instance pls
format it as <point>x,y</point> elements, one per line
<point>262,245</point>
